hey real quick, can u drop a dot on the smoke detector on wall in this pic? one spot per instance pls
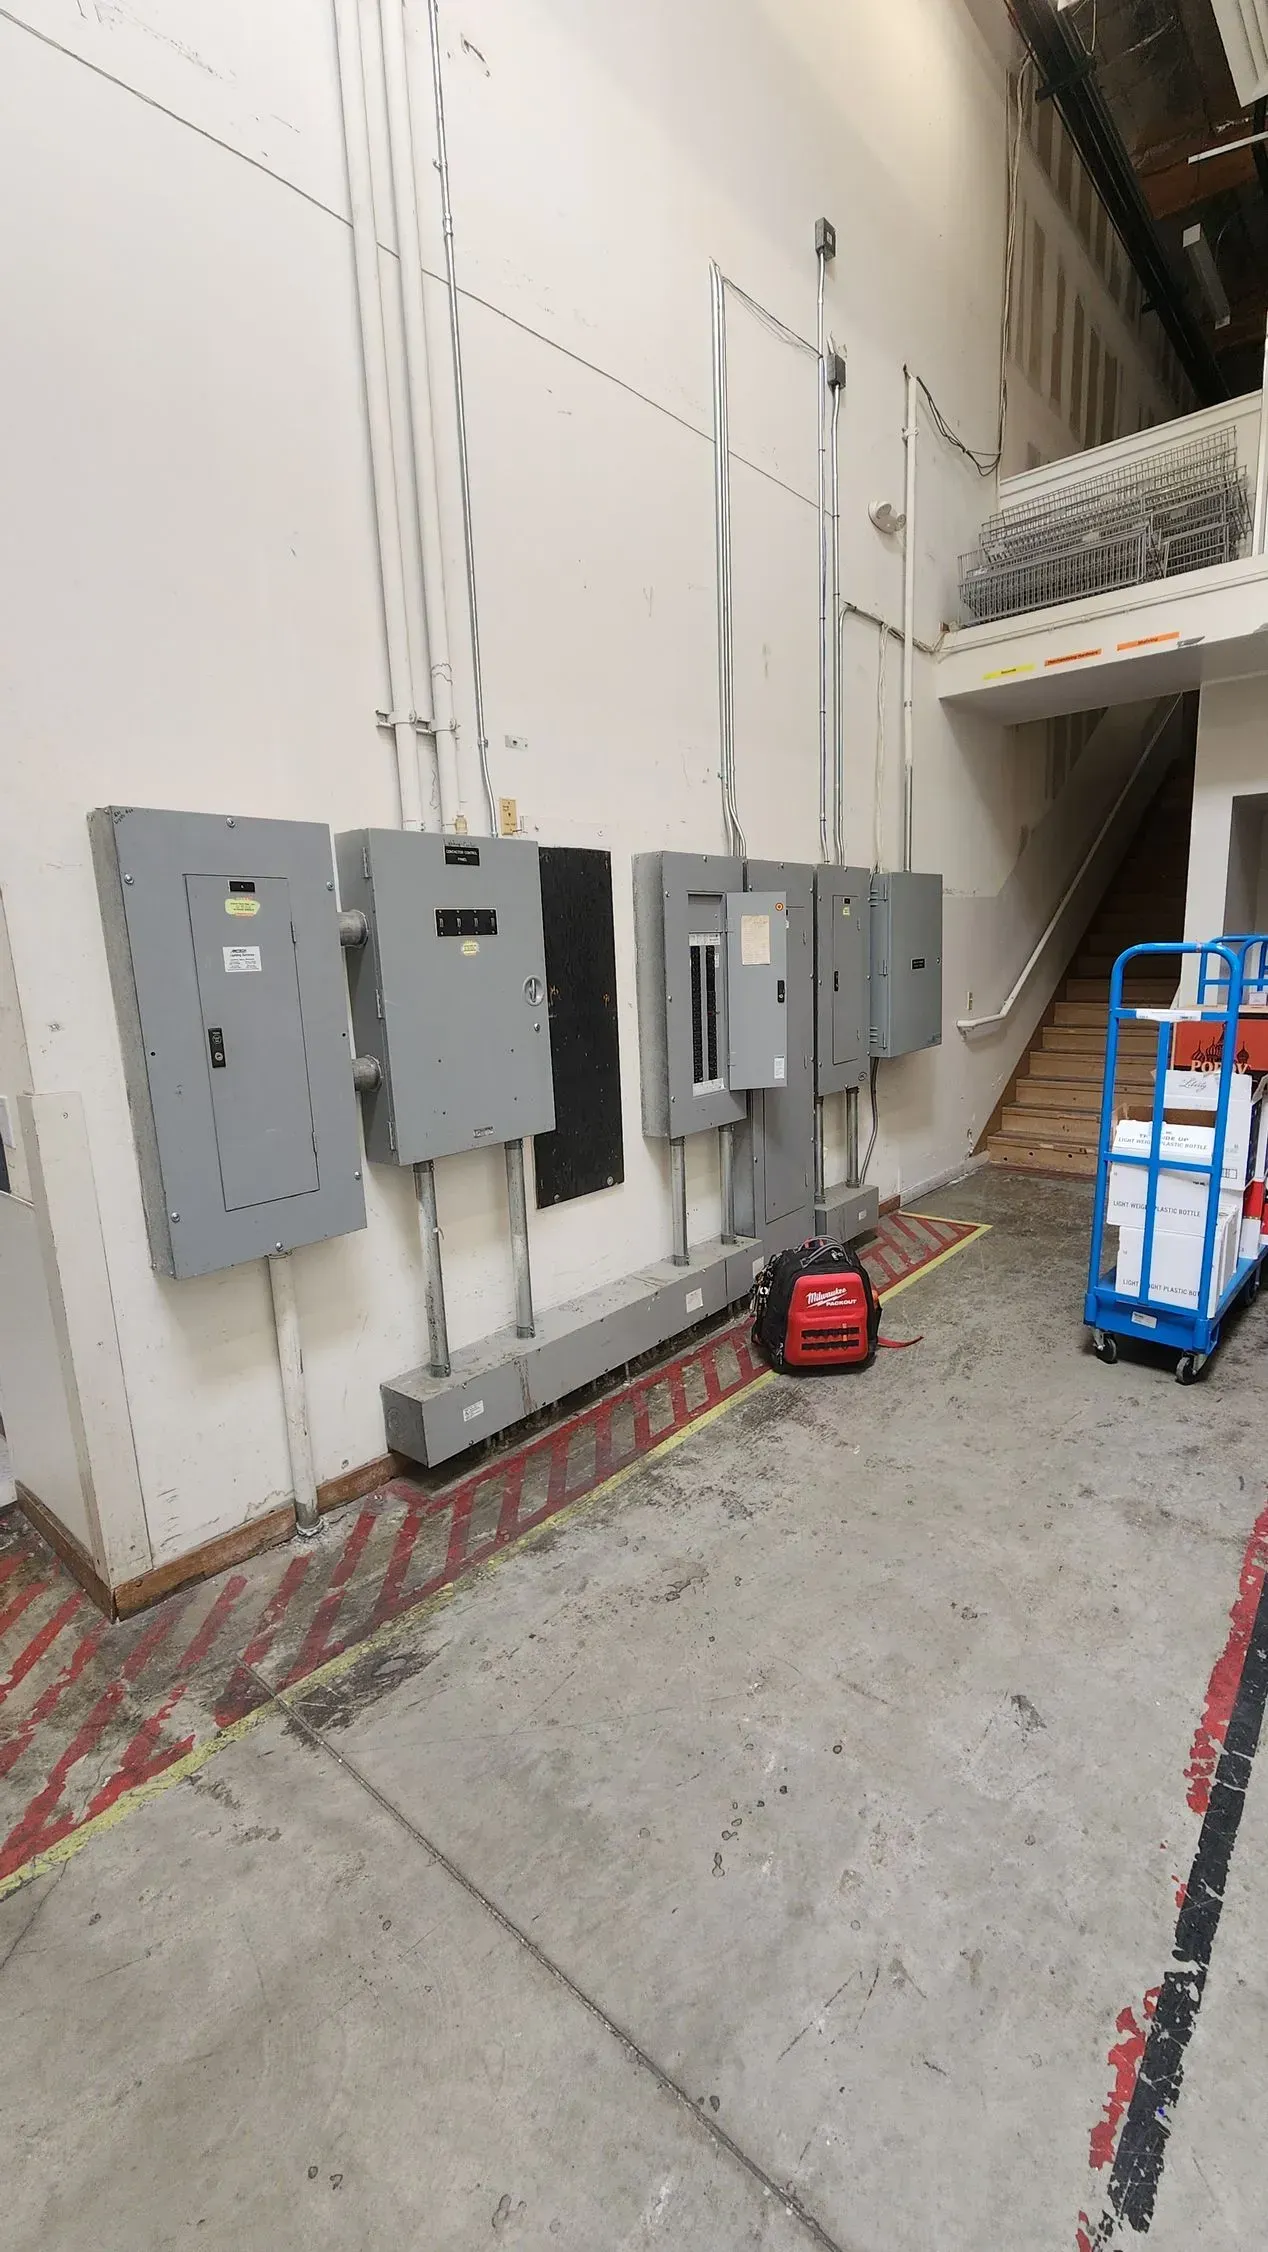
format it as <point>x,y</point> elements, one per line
<point>886,517</point>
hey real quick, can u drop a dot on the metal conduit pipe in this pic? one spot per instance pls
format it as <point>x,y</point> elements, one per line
<point>822,386</point>
<point>726,1152</point>
<point>722,532</point>
<point>852,1137</point>
<point>678,1200</point>
<point>838,720</point>
<point>517,1202</point>
<point>383,469</point>
<point>433,1274</point>
<point>421,413</point>
<point>290,1359</point>
<point>1260,533</point>
<point>909,614</point>
<point>820,1176</point>
<point>460,407</point>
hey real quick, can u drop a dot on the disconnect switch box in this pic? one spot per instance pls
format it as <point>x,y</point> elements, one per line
<point>223,944</point>
<point>449,992</point>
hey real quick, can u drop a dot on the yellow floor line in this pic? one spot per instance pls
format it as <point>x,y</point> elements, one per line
<point>393,1629</point>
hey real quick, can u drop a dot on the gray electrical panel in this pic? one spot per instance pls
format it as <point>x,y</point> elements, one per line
<point>842,968</point>
<point>680,934</point>
<point>756,986</point>
<point>449,990</point>
<point>712,977</point>
<point>774,1154</point>
<point>906,925</point>
<point>223,944</point>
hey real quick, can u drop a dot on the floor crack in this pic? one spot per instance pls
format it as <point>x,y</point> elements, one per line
<point>638,2055</point>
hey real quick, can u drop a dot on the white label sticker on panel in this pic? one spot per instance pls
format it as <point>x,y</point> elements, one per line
<point>694,1301</point>
<point>779,1071</point>
<point>754,940</point>
<point>241,958</point>
<point>1145,1321</point>
<point>469,1414</point>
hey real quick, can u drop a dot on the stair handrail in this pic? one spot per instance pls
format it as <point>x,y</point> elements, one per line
<point>1001,1015</point>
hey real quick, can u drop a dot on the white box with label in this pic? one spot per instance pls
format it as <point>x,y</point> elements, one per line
<point>1176,1262</point>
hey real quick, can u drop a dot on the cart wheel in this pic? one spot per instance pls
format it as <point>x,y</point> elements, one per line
<point>1189,1367</point>
<point>1105,1348</point>
<point>1254,1285</point>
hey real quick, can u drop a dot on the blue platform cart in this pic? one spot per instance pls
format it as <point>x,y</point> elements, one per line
<point>1229,972</point>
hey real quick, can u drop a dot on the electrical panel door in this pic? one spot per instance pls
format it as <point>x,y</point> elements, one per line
<point>757,989</point>
<point>906,963</point>
<point>223,942</point>
<point>449,992</point>
<point>774,1153</point>
<point>248,983</point>
<point>842,957</point>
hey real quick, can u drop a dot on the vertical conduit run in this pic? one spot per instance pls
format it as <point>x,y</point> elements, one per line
<point>726,1148</point>
<point>365,259</point>
<point>678,1199</point>
<point>1260,536</point>
<point>517,1202</point>
<point>290,1358</point>
<point>433,1272</point>
<point>820,1184</point>
<point>460,407</point>
<point>822,380</point>
<point>722,531</point>
<point>909,615</point>
<point>852,1137</point>
<point>421,413</point>
<point>838,721</point>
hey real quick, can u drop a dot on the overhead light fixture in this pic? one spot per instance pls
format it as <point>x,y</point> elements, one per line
<point>1207,274</point>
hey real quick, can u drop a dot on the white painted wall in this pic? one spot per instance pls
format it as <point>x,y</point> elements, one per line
<point>190,598</point>
<point>1232,765</point>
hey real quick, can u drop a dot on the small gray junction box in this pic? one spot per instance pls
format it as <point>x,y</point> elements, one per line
<point>223,944</point>
<point>449,991</point>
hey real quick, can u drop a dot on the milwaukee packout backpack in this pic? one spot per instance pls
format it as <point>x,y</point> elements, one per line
<point>815,1308</point>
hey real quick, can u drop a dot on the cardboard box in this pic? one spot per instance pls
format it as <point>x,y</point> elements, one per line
<point>1176,1264</point>
<point>1200,1046</point>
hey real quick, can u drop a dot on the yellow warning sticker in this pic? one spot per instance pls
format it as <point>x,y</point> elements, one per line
<point>240,905</point>
<point>471,946</point>
<point>1008,672</point>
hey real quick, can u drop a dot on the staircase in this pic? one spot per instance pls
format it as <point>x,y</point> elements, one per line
<point>1048,1120</point>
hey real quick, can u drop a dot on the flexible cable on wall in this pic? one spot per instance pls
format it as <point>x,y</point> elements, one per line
<point>987,463</point>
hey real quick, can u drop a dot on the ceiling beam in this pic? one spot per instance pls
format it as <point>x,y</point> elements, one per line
<point>1067,75</point>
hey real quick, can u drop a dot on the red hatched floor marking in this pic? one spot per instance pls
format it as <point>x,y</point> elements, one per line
<point>332,1596</point>
<point>40,1642</point>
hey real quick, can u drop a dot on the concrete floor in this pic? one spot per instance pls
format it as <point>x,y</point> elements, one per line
<point>761,1858</point>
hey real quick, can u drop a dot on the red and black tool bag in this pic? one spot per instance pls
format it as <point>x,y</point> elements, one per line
<point>816,1308</point>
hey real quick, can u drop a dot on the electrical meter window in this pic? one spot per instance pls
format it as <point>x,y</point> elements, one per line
<point>706,957</point>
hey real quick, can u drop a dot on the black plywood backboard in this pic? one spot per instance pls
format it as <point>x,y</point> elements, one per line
<point>586,1150</point>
